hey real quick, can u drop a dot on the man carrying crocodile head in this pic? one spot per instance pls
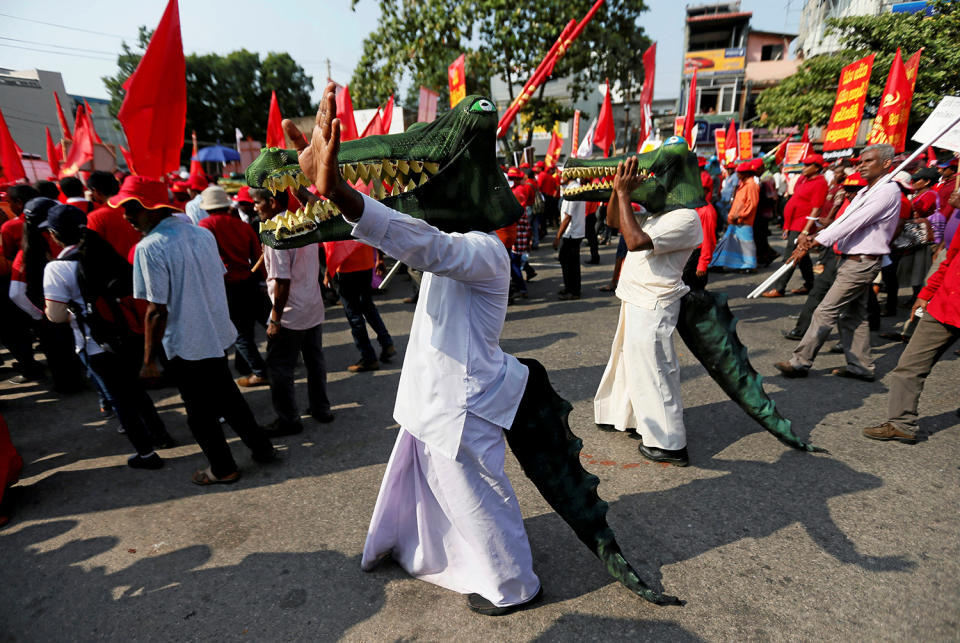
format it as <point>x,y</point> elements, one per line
<point>446,511</point>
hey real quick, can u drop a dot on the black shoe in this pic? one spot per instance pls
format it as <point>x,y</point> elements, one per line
<point>677,458</point>
<point>323,418</point>
<point>837,348</point>
<point>567,296</point>
<point>265,456</point>
<point>591,262</point>
<point>480,605</point>
<point>164,441</point>
<point>152,461</point>
<point>277,429</point>
<point>531,273</point>
<point>388,353</point>
<point>793,335</point>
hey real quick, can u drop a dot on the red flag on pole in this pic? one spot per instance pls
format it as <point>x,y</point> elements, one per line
<point>604,135</point>
<point>691,111</point>
<point>844,124</point>
<point>53,157</point>
<point>575,140</point>
<point>275,136</point>
<point>11,163</point>
<point>128,159</point>
<point>781,151</point>
<point>553,150</point>
<point>456,77</point>
<point>96,137</point>
<point>196,168</point>
<point>81,151</point>
<point>806,134</point>
<point>154,111</point>
<point>64,127</point>
<point>646,95</point>
<point>348,125</point>
<point>890,124</point>
<point>931,157</point>
<point>386,119</point>
<point>730,146</point>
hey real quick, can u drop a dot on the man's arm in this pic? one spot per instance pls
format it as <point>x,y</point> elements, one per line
<point>613,210</point>
<point>624,182</point>
<point>154,325</point>
<point>564,224</point>
<point>281,293</point>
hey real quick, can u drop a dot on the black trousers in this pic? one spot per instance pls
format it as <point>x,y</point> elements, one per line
<point>282,352</point>
<point>356,295</point>
<point>135,410</point>
<point>243,301</point>
<point>820,287</point>
<point>209,393</point>
<point>591,236</point>
<point>570,264</point>
<point>805,265</point>
<point>16,333</point>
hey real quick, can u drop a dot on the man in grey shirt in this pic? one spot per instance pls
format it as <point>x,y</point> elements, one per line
<point>861,239</point>
<point>177,269</point>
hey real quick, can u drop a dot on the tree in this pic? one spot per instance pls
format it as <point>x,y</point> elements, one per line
<point>226,92</point>
<point>808,95</point>
<point>501,38</point>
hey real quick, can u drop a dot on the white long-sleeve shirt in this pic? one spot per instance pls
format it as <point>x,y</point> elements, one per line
<point>453,364</point>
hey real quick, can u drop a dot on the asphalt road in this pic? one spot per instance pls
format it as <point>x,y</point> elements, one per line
<point>762,542</point>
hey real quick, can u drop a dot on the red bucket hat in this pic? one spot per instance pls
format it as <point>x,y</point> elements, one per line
<point>515,173</point>
<point>746,166</point>
<point>197,182</point>
<point>813,159</point>
<point>855,180</point>
<point>243,195</point>
<point>150,193</point>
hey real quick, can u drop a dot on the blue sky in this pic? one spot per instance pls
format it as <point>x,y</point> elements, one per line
<point>311,32</point>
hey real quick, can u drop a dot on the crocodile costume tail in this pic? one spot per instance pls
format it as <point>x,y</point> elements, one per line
<point>549,454</point>
<point>709,330</point>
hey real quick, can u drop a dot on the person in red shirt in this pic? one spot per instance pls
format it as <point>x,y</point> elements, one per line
<point>106,221</point>
<point>803,208</point>
<point>11,232</point>
<point>695,271</point>
<point>948,184</point>
<point>72,188</point>
<point>240,250</point>
<point>938,307</point>
<point>706,178</point>
<point>550,189</point>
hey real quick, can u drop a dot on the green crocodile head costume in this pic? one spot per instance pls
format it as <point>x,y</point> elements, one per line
<point>672,178</point>
<point>444,172</point>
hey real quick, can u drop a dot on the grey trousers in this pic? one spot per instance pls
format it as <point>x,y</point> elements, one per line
<point>929,342</point>
<point>282,352</point>
<point>844,305</point>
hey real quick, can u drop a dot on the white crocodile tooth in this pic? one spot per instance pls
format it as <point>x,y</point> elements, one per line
<point>403,167</point>
<point>431,168</point>
<point>378,190</point>
<point>376,171</point>
<point>349,172</point>
<point>416,166</point>
<point>389,168</point>
<point>303,180</point>
<point>290,182</point>
<point>411,185</point>
<point>423,179</point>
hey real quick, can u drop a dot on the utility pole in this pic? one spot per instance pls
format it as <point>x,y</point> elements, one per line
<point>329,75</point>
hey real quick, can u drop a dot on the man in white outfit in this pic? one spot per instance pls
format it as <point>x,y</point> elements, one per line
<point>640,387</point>
<point>446,510</point>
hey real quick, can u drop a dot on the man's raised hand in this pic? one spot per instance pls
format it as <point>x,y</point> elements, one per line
<point>626,180</point>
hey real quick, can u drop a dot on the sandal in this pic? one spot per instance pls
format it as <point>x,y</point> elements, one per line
<point>205,477</point>
<point>843,372</point>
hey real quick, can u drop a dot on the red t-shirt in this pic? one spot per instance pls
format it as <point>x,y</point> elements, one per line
<point>548,184</point>
<point>945,189</point>
<point>906,208</point>
<point>17,269</point>
<point>11,233</point>
<point>237,242</point>
<point>808,193</point>
<point>925,203</point>
<point>114,229</point>
<point>943,288</point>
<point>524,194</point>
<point>708,221</point>
<point>81,204</point>
<point>363,258</point>
<point>706,179</point>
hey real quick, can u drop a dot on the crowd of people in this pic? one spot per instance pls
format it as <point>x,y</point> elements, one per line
<point>149,283</point>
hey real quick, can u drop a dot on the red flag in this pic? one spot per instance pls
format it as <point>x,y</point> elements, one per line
<point>275,136</point>
<point>154,111</point>
<point>781,151</point>
<point>427,106</point>
<point>81,151</point>
<point>196,167</point>
<point>457,79</point>
<point>844,124</point>
<point>646,95</point>
<point>575,141</point>
<point>890,124</point>
<point>553,150</point>
<point>806,134</point>
<point>11,163</point>
<point>380,123</point>
<point>53,157</point>
<point>128,159</point>
<point>691,111</point>
<point>348,126</point>
<point>730,146</point>
<point>96,137</point>
<point>604,134</point>
<point>64,127</point>
<point>387,119</point>
<point>931,157</point>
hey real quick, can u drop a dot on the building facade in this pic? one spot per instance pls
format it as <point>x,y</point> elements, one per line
<point>26,99</point>
<point>813,38</point>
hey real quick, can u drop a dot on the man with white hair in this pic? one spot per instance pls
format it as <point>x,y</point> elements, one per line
<point>862,238</point>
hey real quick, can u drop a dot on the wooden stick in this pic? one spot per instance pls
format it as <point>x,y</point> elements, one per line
<point>257,265</point>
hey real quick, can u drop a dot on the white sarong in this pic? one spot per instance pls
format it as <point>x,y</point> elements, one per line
<point>640,387</point>
<point>454,523</point>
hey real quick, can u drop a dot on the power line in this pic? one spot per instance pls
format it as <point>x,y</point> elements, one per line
<point>47,44</point>
<point>59,53</point>
<point>53,24</point>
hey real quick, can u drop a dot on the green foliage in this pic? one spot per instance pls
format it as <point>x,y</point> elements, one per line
<point>416,41</point>
<point>227,92</point>
<point>808,95</point>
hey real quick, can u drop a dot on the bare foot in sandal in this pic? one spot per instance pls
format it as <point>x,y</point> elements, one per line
<point>205,477</point>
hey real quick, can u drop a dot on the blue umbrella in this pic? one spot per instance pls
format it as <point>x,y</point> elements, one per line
<point>217,153</point>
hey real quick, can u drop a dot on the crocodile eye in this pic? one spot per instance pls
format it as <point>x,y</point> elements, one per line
<point>483,105</point>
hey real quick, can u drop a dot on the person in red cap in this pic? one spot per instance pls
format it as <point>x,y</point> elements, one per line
<point>243,202</point>
<point>737,250</point>
<point>705,178</point>
<point>196,184</point>
<point>107,221</point>
<point>550,189</point>
<point>803,209</point>
<point>177,269</point>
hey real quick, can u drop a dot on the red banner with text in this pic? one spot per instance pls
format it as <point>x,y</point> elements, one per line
<point>719,139</point>
<point>848,108</point>
<point>456,75</point>
<point>745,144</point>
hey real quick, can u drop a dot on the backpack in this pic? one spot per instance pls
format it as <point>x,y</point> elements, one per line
<point>106,287</point>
